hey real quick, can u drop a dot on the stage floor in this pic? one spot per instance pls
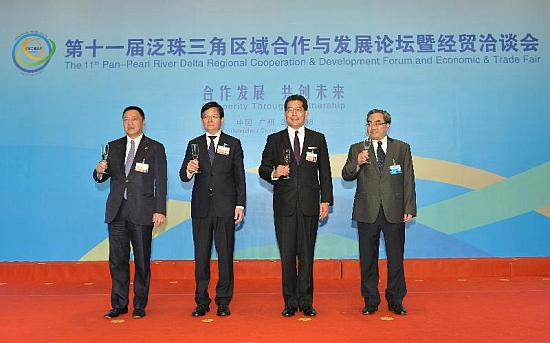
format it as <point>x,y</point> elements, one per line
<point>465,309</point>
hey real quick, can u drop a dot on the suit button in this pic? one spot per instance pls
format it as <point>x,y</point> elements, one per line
<point>127,181</point>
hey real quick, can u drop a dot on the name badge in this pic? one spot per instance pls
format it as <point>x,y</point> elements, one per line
<point>142,167</point>
<point>395,169</point>
<point>223,150</point>
<point>311,157</point>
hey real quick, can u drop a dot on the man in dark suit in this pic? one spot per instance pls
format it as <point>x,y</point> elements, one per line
<point>385,199</point>
<point>217,205</point>
<point>302,194</point>
<point>136,166</point>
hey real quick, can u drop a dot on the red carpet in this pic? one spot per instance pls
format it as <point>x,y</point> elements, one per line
<point>43,305</point>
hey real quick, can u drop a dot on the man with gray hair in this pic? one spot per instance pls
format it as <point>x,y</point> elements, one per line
<point>385,199</point>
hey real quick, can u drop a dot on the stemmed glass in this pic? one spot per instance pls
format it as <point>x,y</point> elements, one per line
<point>366,145</point>
<point>105,154</point>
<point>195,153</point>
<point>287,160</point>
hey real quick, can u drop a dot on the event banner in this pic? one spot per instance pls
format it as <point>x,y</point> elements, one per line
<point>466,84</point>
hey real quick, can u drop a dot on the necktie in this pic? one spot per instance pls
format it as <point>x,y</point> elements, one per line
<point>381,156</point>
<point>211,149</point>
<point>297,149</point>
<point>129,162</point>
<point>130,158</point>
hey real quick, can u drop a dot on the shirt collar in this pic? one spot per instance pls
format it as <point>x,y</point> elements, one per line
<point>301,131</point>
<point>217,134</point>
<point>136,140</point>
<point>383,140</point>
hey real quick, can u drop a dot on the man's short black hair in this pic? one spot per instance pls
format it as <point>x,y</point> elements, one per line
<point>211,104</point>
<point>135,108</point>
<point>299,98</point>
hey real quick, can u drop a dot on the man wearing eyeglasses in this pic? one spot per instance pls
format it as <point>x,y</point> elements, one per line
<point>302,194</point>
<point>385,199</point>
<point>217,205</point>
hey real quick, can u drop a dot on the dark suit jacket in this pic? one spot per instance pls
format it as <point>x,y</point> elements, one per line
<point>146,191</point>
<point>310,183</point>
<point>396,193</point>
<point>225,177</point>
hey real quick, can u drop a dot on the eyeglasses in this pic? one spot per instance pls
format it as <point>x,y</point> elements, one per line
<point>294,110</point>
<point>212,116</point>
<point>375,124</point>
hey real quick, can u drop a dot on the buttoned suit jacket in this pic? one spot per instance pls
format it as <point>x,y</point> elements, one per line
<point>396,192</point>
<point>310,182</point>
<point>146,191</point>
<point>225,178</point>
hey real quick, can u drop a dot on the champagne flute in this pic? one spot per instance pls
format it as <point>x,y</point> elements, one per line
<point>105,154</point>
<point>195,153</point>
<point>366,145</point>
<point>287,160</point>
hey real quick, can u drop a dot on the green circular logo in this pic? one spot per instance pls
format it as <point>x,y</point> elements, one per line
<point>32,52</point>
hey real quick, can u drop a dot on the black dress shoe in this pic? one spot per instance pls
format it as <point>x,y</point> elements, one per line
<point>138,313</point>
<point>200,310</point>
<point>289,311</point>
<point>370,309</point>
<point>223,311</point>
<point>398,309</point>
<point>309,311</point>
<point>115,312</point>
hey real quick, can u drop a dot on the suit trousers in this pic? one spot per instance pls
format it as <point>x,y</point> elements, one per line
<point>221,230</point>
<point>296,236</point>
<point>369,243</point>
<point>122,232</point>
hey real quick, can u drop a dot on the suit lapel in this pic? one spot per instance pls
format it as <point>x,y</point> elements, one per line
<point>286,140</point>
<point>307,143</point>
<point>389,154</point>
<point>204,160</point>
<point>122,148</point>
<point>221,142</point>
<point>141,153</point>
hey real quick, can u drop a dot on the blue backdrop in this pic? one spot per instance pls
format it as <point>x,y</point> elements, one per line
<point>466,84</point>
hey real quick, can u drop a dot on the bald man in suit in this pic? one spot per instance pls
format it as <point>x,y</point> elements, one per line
<point>385,199</point>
